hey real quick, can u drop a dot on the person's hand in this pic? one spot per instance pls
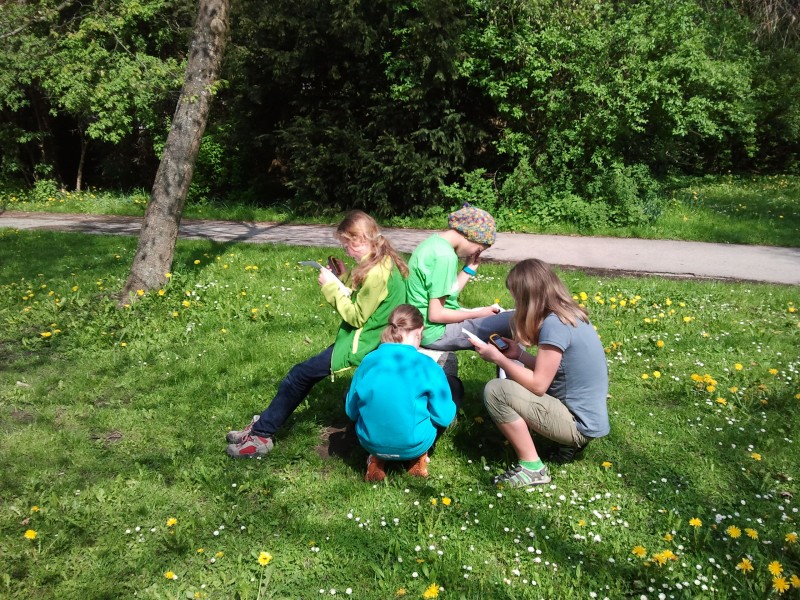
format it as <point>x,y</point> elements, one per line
<point>514,350</point>
<point>325,276</point>
<point>474,261</point>
<point>486,351</point>
<point>488,311</point>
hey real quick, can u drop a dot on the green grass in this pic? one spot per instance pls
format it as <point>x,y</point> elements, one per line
<point>728,209</point>
<point>113,421</point>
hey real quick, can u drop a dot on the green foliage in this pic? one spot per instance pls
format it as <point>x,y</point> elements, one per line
<point>113,424</point>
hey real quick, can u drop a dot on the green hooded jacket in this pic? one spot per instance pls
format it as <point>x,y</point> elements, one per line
<point>365,313</point>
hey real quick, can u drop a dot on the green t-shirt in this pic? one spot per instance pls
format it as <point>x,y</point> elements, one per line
<point>433,272</point>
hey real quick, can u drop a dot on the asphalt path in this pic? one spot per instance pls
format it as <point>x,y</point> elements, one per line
<point>665,258</point>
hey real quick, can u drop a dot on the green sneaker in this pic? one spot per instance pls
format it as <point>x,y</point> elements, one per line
<point>519,476</point>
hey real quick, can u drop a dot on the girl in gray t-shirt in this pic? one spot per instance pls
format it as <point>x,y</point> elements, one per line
<point>560,392</point>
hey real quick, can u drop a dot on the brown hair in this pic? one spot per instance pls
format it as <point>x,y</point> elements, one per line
<point>403,319</point>
<point>537,292</point>
<point>358,226</point>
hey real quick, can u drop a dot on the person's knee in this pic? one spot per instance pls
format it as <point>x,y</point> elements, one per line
<point>495,398</point>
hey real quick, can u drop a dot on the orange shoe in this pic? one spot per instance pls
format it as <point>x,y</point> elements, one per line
<point>419,466</point>
<point>376,469</point>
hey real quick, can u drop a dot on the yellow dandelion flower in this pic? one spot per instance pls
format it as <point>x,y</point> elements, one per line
<point>775,568</point>
<point>711,389</point>
<point>795,581</point>
<point>780,585</point>
<point>645,376</point>
<point>755,456</point>
<point>140,292</point>
<point>639,551</point>
<point>200,550</point>
<point>583,296</point>
<point>400,592</point>
<point>432,591</point>
<point>667,537</point>
<point>738,366</point>
<point>161,292</point>
<point>167,275</point>
<point>688,319</point>
<point>46,334</point>
<point>751,533</point>
<point>733,389</point>
<point>197,262</point>
<point>170,575</point>
<point>186,303</point>
<point>745,566</point>
<point>722,401</point>
<point>446,501</point>
<point>791,538</point>
<point>773,371</point>
<point>264,558</point>
<point>172,521</point>
<point>175,313</point>
<point>74,288</point>
<point>660,343</point>
<point>35,509</point>
<point>31,534</point>
<point>695,522</point>
<point>733,531</point>
<point>656,374</point>
<point>123,344</point>
<point>219,554</point>
<point>605,464</point>
<point>582,523</point>
<point>434,501</point>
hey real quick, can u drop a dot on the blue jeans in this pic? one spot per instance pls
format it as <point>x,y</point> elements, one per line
<point>292,391</point>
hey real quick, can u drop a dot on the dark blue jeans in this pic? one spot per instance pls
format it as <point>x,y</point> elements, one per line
<point>292,391</point>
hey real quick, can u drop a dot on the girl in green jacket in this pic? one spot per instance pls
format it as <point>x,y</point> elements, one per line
<point>378,286</point>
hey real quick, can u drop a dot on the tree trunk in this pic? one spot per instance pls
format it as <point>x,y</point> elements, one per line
<point>81,162</point>
<point>162,218</point>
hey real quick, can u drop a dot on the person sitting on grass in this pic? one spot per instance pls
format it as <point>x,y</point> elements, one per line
<point>434,282</point>
<point>560,393</point>
<point>378,286</point>
<point>400,399</point>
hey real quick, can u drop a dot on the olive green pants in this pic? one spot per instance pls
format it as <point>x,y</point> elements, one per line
<point>507,401</point>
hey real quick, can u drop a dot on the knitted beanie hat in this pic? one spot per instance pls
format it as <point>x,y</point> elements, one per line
<point>473,223</point>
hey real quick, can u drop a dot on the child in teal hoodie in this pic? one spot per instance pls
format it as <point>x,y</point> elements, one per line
<point>399,398</point>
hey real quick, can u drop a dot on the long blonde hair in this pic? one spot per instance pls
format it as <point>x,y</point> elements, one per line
<point>537,292</point>
<point>358,226</point>
<point>404,319</point>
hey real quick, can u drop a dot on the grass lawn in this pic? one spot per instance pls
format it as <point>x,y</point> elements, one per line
<point>114,482</point>
<point>728,209</point>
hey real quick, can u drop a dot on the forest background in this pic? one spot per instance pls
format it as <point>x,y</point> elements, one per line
<point>544,111</point>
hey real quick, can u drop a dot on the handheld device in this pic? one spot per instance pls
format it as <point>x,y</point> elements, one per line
<point>498,342</point>
<point>336,266</point>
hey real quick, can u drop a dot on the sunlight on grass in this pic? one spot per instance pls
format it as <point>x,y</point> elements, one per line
<point>114,481</point>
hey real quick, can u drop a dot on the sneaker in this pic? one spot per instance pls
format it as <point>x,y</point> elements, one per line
<point>251,445</point>
<point>519,476</point>
<point>566,454</point>
<point>236,437</point>
<point>419,466</point>
<point>376,469</point>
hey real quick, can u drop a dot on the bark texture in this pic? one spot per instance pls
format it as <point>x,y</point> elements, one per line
<point>162,218</point>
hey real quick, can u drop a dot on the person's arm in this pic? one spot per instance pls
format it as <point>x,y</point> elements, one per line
<point>440,401</point>
<point>374,290</point>
<point>437,313</point>
<point>537,377</point>
<point>463,277</point>
<point>351,401</point>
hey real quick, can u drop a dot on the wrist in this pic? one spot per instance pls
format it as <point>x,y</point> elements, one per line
<point>469,271</point>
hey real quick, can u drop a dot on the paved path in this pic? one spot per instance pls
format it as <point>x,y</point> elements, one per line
<point>654,257</point>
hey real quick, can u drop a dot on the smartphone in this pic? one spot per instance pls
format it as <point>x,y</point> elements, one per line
<point>498,342</point>
<point>335,265</point>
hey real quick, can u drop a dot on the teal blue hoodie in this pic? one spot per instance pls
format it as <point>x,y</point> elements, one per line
<point>397,399</point>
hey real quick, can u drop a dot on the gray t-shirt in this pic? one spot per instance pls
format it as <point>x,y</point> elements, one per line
<point>581,382</point>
